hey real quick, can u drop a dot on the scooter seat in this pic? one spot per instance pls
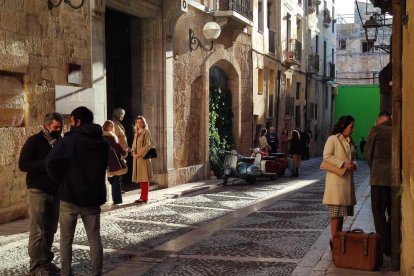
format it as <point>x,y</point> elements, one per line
<point>269,158</point>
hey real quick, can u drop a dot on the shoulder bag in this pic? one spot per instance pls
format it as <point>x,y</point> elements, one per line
<point>151,153</point>
<point>334,169</point>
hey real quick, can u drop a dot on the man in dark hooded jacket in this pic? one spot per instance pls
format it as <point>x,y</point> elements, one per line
<point>78,163</point>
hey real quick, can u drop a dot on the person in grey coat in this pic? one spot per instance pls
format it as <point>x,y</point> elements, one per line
<point>377,152</point>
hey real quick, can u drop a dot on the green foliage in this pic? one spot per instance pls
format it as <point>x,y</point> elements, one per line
<point>220,128</point>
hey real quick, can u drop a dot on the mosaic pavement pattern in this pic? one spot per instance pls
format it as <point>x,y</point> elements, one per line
<point>137,230</point>
<point>259,244</point>
<point>184,267</point>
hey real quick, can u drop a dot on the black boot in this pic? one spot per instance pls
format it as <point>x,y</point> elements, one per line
<point>293,172</point>
<point>297,172</point>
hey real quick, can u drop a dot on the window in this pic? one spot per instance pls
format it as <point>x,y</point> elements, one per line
<point>297,116</point>
<point>260,84</point>
<point>342,44</point>
<point>365,46</point>
<point>333,55</point>
<point>334,20</point>
<point>261,17</point>
<point>317,44</point>
<point>298,90</point>
<point>288,26</point>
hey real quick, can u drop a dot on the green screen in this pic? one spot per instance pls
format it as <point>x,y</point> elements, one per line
<point>361,102</point>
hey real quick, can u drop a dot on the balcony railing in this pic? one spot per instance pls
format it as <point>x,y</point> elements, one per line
<point>313,64</point>
<point>242,7</point>
<point>312,5</point>
<point>327,19</point>
<point>329,73</point>
<point>272,44</point>
<point>294,52</point>
<point>331,70</point>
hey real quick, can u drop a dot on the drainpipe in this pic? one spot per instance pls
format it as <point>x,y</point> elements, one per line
<point>396,135</point>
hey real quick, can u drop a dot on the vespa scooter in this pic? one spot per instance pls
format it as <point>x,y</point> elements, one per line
<point>238,166</point>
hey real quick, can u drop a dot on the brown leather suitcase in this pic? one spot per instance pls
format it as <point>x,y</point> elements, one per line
<point>357,250</point>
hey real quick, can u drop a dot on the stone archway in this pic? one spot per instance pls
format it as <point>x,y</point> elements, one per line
<point>233,87</point>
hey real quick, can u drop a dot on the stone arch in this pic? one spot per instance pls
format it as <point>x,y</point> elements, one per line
<point>231,68</point>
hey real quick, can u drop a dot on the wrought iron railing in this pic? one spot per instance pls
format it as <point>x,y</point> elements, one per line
<point>242,7</point>
<point>313,63</point>
<point>327,19</point>
<point>294,52</point>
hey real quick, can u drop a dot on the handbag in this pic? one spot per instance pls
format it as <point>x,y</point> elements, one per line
<point>333,169</point>
<point>151,153</point>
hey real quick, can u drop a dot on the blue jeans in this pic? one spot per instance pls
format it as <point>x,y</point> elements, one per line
<point>91,221</point>
<point>116,183</point>
<point>44,215</point>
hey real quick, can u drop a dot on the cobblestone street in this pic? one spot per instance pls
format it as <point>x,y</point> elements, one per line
<point>264,229</point>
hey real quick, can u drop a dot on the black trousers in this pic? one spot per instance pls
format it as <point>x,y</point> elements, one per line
<point>381,203</point>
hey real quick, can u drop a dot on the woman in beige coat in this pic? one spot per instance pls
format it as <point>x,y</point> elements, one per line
<point>339,190</point>
<point>141,168</point>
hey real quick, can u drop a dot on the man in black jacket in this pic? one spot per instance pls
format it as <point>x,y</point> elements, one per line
<point>78,163</point>
<point>43,202</point>
<point>272,140</point>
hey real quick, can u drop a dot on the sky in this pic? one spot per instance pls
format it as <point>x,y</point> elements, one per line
<point>345,7</point>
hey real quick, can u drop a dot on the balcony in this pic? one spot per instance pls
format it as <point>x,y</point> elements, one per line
<point>327,19</point>
<point>239,10</point>
<point>293,55</point>
<point>272,44</point>
<point>313,64</point>
<point>312,5</point>
<point>330,73</point>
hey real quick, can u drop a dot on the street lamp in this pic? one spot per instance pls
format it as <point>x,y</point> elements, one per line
<point>74,4</point>
<point>371,30</point>
<point>211,31</point>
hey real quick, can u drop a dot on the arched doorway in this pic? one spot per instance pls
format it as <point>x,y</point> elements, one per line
<point>220,118</point>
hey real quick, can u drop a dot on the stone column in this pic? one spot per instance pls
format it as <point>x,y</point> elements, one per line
<point>98,59</point>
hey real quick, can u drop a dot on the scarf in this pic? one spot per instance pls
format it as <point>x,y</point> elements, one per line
<point>46,134</point>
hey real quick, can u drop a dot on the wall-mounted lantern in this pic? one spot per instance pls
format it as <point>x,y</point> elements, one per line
<point>371,30</point>
<point>74,4</point>
<point>211,31</point>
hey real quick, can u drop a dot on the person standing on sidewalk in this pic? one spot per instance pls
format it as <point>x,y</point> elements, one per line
<point>43,202</point>
<point>378,155</point>
<point>272,140</point>
<point>116,165</point>
<point>78,163</point>
<point>339,192</point>
<point>142,168</point>
<point>295,148</point>
<point>117,117</point>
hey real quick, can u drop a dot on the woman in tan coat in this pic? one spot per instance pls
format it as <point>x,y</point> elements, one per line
<point>141,168</point>
<point>339,190</point>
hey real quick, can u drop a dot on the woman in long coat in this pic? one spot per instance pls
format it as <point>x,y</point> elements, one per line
<point>141,168</point>
<point>339,190</point>
<point>116,166</point>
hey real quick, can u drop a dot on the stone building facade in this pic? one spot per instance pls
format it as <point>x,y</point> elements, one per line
<point>36,45</point>
<point>111,53</point>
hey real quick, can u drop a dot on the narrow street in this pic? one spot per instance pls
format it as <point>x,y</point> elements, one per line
<point>264,229</point>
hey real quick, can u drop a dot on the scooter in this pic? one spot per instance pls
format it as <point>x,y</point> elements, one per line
<point>271,165</point>
<point>238,166</point>
<point>267,164</point>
